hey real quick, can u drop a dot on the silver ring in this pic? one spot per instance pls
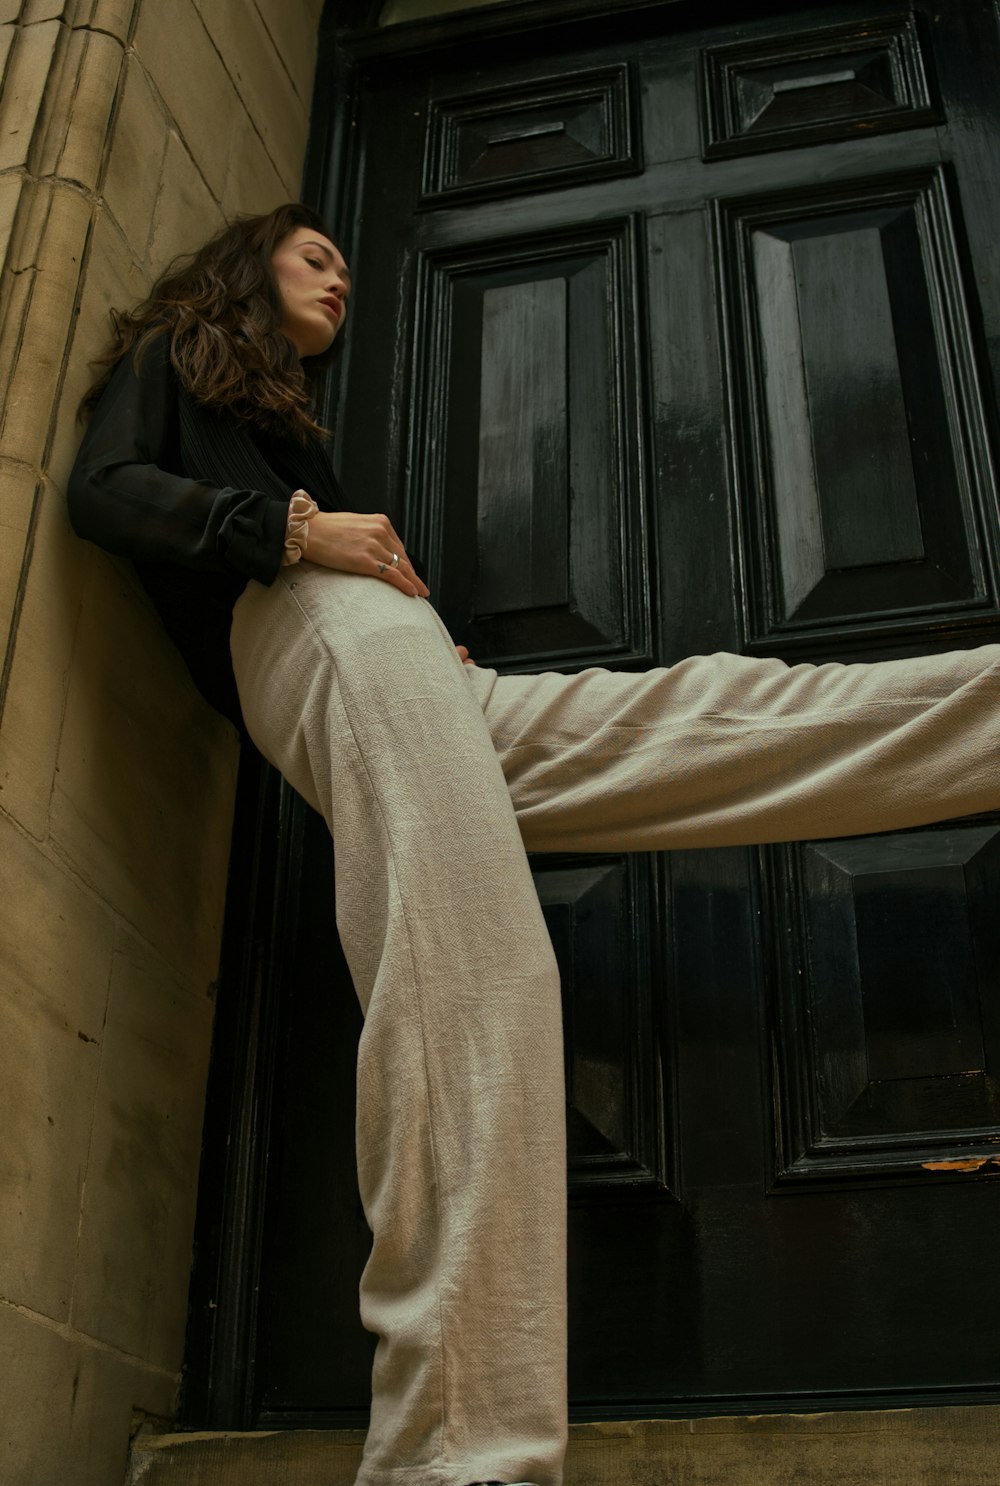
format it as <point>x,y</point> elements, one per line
<point>395,559</point>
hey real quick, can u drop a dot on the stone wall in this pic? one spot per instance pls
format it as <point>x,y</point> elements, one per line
<point>128,130</point>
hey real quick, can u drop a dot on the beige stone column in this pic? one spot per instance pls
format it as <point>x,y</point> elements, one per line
<point>129,129</point>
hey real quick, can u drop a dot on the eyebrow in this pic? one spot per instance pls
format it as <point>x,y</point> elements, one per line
<point>309,243</point>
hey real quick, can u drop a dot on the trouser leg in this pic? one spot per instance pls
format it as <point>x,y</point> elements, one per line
<point>355,693</point>
<point>722,750</point>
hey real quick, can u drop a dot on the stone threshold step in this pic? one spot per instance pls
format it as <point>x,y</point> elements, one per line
<point>884,1447</point>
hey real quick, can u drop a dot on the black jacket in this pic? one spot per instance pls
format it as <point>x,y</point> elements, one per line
<point>197,500</point>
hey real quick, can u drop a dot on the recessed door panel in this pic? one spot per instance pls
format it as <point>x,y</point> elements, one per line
<point>527,136</point>
<point>863,447</point>
<point>527,457</point>
<point>887,1008</point>
<point>782,91</point>
<point>602,916</point>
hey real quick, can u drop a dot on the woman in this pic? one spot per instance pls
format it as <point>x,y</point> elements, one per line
<point>203,464</point>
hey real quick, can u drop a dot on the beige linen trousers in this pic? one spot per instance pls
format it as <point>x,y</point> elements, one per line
<point>434,778</point>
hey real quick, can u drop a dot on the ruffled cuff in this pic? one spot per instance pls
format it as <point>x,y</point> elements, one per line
<point>301,509</point>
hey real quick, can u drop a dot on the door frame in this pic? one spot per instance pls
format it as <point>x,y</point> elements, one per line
<point>219,1386</point>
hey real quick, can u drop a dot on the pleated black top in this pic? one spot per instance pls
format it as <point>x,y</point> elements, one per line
<point>197,499</point>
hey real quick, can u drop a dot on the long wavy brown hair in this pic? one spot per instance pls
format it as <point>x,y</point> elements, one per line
<point>221,308</point>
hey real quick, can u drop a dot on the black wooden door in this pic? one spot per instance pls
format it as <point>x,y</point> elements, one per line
<point>675,334</point>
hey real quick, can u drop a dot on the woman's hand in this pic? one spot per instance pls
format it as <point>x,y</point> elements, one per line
<point>464,656</point>
<point>356,543</point>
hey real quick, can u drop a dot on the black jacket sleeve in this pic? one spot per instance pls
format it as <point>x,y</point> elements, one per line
<point>127,494</point>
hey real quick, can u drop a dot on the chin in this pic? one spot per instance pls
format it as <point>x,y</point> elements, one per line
<point>312,341</point>
<point>323,342</point>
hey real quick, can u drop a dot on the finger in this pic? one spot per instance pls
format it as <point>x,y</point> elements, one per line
<point>412,574</point>
<point>406,569</point>
<point>389,574</point>
<point>389,534</point>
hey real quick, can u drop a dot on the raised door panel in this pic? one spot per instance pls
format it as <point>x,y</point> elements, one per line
<point>887,1015</point>
<point>782,92</point>
<point>866,485</point>
<point>603,919</point>
<point>526,452</point>
<point>530,135</point>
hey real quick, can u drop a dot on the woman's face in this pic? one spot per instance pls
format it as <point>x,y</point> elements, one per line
<point>313,285</point>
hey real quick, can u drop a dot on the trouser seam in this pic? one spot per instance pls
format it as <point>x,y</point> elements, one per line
<point>687,723</point>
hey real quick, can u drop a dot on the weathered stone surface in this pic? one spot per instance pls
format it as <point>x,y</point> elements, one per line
<point>10,196</point>
<point>142,804</point>
<point>178,55</point>
<point>28,223</point>
<point>253,184</point>
<point>56,945</point>
<point>7,33</point>
<point>17,284</point>
<point>37,688</point>
<point>918,1447</point>
<point>138,1213</point>
<point>186,213</point>
<point>80,111</point>
<point>134,176</point>
<point>294,1458</point>
<point>14,306</point>
<point>113,281</point>
<point>49,1078</point>
<point>44,10</point>
<point>34,345</point>
<point>116,781</point>
<point>57,101</point>
<point>100,1418</point>
<point>293,30</point>
<point>35,1441</point>
<point>18,488</point>
<point>113,16</point>
<point>276,113</point>
<point>67,1417</point>
<point>56,939</point>
<point>30,62</point>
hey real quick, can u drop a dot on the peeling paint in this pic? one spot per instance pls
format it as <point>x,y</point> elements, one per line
<point>975,1163</point>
